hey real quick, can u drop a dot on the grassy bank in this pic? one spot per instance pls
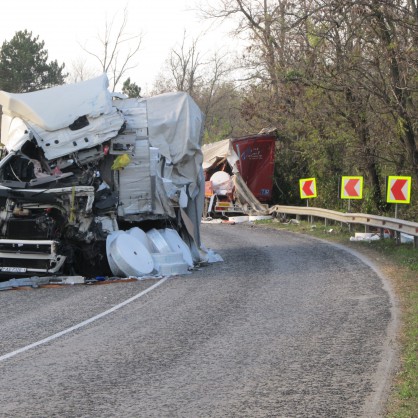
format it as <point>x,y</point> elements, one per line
<point>400,264</point>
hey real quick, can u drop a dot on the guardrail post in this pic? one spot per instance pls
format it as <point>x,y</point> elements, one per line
<point>415,242</point>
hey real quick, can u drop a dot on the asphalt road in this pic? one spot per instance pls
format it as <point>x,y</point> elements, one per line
<point>286,326</point>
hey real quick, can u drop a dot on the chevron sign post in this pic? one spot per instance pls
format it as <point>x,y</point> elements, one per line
<point>352,187</point>
<point>399,189</point>
<point>307,188</point>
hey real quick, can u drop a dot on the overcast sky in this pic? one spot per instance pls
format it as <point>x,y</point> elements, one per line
<point>65,25</point>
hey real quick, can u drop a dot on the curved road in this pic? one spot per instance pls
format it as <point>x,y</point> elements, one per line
<point>286,326</point>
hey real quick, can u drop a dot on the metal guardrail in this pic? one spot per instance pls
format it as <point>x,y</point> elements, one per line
<point>380,222</point>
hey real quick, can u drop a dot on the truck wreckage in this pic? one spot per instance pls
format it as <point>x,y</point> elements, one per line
<point>239,175</point>
<point>97,184</point>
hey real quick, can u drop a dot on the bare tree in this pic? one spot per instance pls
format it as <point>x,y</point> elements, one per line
<point>216,71</point>
<point>207,79</point>
<point>80,71</point>
<point>118,50</point>
<point>270,28</point>
<point>184,64</point>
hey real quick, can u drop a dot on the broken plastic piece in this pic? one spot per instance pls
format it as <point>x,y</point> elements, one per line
<point>121,161</point>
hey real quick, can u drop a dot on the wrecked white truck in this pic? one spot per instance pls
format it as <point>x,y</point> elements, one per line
<point>96,184</point>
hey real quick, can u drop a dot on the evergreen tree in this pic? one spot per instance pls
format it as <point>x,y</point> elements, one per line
<point>131,89</point>
<point>24,66</point>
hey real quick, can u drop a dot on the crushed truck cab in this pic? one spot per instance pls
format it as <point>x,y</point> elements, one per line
<point>80,164</point>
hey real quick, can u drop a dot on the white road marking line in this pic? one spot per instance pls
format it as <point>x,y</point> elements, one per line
<point>81,324</point>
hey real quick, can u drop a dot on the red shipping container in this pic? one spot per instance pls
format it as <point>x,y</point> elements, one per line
<point>256,163</point>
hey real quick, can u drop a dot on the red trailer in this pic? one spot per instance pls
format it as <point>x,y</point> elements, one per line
<point>256,163</point>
